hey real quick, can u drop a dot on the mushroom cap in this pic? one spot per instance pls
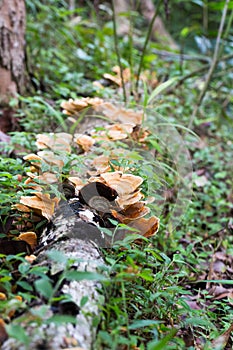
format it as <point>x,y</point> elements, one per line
<point>55,142</point>
<point>84,141</point>
<point>29,237</point>
<point>124,184</point>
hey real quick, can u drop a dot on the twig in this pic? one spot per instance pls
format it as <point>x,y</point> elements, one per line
<point>145,43</point>
<point>117,52</point>
<point>201,69</point>
<point>176,56</point>
<point>213,64</point>
<point>223,72</point>
<point>192,74</point>
<point>227,31</point>
<point>131,58</point>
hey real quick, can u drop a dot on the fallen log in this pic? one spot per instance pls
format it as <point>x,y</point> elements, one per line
<point>76,240</point>
<point>65,308</point>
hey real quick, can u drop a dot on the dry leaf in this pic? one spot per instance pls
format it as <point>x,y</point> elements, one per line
<point>221,342</point>
<point>219,266</point>
<point>3,333</point>
<point>30,238</point>
<point>201,181</point>
<point>150,78</point>
<point>126,72</point>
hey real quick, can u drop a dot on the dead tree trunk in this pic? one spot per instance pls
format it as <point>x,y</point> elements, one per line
<point>12,53</point>
<point>76,240</point>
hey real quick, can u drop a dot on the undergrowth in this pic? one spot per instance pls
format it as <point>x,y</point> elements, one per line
<point>156,295</point>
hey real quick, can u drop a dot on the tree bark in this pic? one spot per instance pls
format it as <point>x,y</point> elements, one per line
<point>77,240</point>
<point>12,43</point>
<point>147,8</point>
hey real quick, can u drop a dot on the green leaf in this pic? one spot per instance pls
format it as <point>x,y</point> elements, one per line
<point>24,268</point>
<point>83,301</point>
<point>60,319</point>
<point>39,270</point>
<point>41,311</point>
<point>159,345</point>
<point>218,281</point>
<point>146,276</point>
<point>161,88</point>
<point>57,256</point>
<point>197,321</point>
<point>156,146</point>
<point>44,287</point>
<point>219,5</point>
<point>17,332</point>
<point>83,275</point>
<point>143,323</point>
<point>25,285</point>
<point>5,174</point>
<point>220,175</point>
<point>185,32</point>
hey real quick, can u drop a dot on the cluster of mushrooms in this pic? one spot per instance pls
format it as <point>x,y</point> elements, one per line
<point>110,191</point>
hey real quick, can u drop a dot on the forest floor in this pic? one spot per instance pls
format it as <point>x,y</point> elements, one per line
<point>173,289</point>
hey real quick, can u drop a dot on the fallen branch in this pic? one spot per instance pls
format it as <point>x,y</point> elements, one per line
<point>68,247</point>
<point>172,56</point>
<point>67,237</point>
<point>201,70</point>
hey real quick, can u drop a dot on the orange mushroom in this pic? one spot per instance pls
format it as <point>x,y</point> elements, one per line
<point>30,238</point>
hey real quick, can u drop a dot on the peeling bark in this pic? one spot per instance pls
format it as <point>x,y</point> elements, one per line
<point>12,42</point>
